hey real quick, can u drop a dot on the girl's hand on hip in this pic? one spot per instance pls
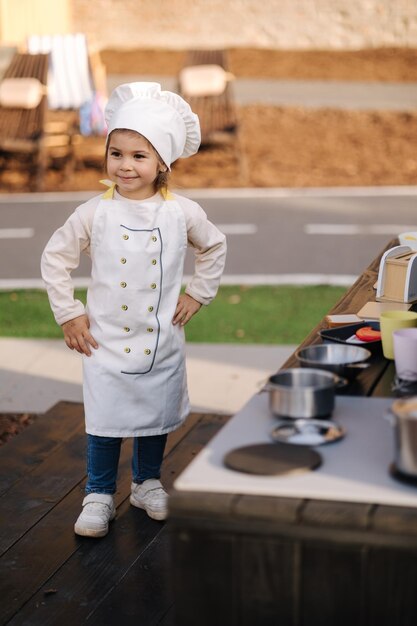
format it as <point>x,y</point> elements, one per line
<point>186,308</point>
<point>77,335</point>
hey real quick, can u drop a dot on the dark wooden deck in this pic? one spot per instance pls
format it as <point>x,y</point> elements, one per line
<point>51,576</point>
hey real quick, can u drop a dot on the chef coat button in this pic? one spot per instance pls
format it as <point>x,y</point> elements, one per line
<point>123,284</point>
<point>123,260</point>
<point>127,350</point>
<point>153,285</point>
<point>124,307</point>
<point>154,238</point>
<point>125,237</point>
<point>150,309</point>
<point>153,261</point>
<point>147,351</point>
<point>150,330</point>
<point>126,329</point>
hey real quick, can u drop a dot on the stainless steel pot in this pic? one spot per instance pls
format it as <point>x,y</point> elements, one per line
<point>403,416</point>
<point>302,392</point>
<point>344,360</point>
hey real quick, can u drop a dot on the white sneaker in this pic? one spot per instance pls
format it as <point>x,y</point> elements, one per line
<point>98,511</point>
<point>152,497</point>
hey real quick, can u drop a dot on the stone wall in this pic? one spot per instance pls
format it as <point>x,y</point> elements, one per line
<point>282,24</point>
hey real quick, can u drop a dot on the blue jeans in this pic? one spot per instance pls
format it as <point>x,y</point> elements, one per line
<point>103,460</point>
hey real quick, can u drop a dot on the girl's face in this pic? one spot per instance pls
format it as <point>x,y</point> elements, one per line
<point>132,164</point>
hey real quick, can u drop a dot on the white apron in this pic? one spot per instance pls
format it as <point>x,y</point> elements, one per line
<point>135,382</point>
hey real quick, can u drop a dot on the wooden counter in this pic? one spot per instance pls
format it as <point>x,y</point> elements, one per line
<point>261,560</point>
<point>377,379</point>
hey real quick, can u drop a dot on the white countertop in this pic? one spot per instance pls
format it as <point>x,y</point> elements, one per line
<point>354,469</point>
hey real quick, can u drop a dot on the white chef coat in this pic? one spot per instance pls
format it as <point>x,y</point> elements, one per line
<point>135,382</point>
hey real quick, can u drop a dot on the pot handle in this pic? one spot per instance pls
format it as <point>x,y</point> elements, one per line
<point>340,382</point>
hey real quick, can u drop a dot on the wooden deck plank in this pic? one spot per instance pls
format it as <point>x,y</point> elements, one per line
<point>37,494</point>
<point>178,435</point>
<point>46,546</point>
<point>83,571</point>
<point>90,574</point>
<point>144,595</point>
<point>51,430</point>
<point>47,434</point>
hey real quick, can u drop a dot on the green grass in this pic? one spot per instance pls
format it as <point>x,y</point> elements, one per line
<point>282,315</point>
<point>273,315</point>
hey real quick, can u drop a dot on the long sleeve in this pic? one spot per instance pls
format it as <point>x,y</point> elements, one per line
<point>210,252</point>
<point>61,256</point>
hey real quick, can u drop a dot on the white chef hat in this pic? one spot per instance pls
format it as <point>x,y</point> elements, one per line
<point>162,117</point>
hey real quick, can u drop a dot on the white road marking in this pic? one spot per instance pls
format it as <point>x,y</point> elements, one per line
<point>16,233</point>
<point>9,284</point>
<point>303,192</point>
<point>238,229</point>
<point>335,280</point>
<point>357,229</point>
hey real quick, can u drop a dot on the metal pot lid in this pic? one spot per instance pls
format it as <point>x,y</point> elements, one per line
<point>308,432</point>
<point>272,459</point>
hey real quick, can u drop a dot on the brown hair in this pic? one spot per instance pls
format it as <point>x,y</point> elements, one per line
<point>161,181</point>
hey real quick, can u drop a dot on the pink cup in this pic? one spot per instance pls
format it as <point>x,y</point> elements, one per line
<point>405,353</point>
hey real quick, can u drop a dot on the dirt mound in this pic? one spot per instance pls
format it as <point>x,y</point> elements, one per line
<point>379,64</point>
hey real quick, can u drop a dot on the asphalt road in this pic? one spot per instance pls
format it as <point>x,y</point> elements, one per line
<point>357,95</point>
<point>274,236</point>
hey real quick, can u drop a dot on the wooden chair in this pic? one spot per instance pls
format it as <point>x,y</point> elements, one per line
<point>217,110</point>
<point>22,129</point>
<point>76,76</point>
<point>217,113</point>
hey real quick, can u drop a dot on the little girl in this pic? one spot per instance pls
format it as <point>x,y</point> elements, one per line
<point>131,331</point>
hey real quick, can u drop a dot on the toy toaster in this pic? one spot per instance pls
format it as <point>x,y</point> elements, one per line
<point>397,276</point>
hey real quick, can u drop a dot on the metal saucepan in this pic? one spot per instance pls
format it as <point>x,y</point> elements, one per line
<point>403,416</point>
<point>344,360</point>
<point>302,392</point>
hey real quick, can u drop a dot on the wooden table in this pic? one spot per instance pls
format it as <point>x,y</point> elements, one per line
<point>249,559</point>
